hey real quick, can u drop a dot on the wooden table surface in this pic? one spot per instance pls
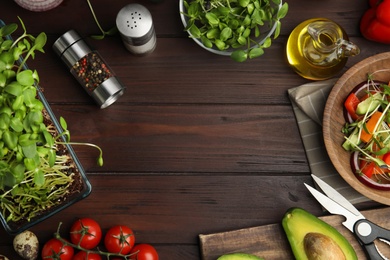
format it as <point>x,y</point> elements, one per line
<point>199,143</point>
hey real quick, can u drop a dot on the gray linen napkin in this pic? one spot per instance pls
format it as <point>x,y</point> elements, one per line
<point>308,102</point>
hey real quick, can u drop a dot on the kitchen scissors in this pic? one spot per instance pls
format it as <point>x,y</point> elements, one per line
<point>364,230</point>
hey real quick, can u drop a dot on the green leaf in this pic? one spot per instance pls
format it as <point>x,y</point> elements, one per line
<point>220,44</point>
<point>206,42</point>
<point>4,121</point>
<point>29,148</point>
<point>267,43</point>
<point>213,33</point>
<point>18,172</point>
<point>52,157</point>
<point>17,103</point>
<point>10,139</point>
<point>40,42</point>
<point>30,163</point>
<point>194,31</point>
<point>25,78</point>
<point>3,80</point>
<point>8,29</point>
<point>14,88</point>
<point>283,11</point>
<point>255,52</point>
<point>212,19</point>
<point>250,8</point>
<point>242,40</point>
<point>243,3</point>
<point>225,34</point>
<point>277,30</point>
<point>8,59</point>
<point>63,123</point>
<point>48,138</point>
<point>6,45</point>
<point>39,177</point>
<point>239,56</point>
<point>29,95</point>
<point>16,124</point>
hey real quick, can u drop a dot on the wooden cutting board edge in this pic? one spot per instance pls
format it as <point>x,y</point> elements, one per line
<point>270,241</point>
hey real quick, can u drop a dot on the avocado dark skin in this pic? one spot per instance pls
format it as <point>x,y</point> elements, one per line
<point>311,238</point>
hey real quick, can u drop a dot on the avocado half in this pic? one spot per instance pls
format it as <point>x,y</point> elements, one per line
<point>297,223</point>
<point>239,256</point>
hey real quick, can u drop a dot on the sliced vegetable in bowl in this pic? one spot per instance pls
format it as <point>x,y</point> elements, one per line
<point>367,132</point>
<point>334,121</point>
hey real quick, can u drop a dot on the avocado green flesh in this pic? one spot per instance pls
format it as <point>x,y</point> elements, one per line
<point>370,104</point>
<point>298,222</point>
<point>239,256</point>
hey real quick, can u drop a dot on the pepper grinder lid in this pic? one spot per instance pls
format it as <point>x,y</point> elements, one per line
<point>135,24</point>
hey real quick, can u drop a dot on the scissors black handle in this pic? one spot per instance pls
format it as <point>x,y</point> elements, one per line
<point>367,232</point>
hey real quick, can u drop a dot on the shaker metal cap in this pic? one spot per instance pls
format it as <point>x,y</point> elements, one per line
<point>135,24</point>
<point>65,41</point>
<point>108,92</point>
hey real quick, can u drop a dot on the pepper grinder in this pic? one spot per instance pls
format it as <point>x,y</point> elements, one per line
<point>135,25</point>
<point>89,68</point>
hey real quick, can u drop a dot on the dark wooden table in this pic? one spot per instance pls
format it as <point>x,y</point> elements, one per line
<point>199,143</point>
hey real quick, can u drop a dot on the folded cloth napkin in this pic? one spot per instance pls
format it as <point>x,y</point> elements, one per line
<point>308,102</point>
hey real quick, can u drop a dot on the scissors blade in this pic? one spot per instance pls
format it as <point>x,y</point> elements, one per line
<point>335,195</point>
<point>335,208</point>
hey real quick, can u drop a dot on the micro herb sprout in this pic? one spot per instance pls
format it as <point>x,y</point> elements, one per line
<point>378,144</point>
<point>35,171</point>
<point>234,24</point>
<point>110,32</point>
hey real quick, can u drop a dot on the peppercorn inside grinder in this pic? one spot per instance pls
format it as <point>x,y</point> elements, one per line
<point>89,68</point>
<point>135,25</point>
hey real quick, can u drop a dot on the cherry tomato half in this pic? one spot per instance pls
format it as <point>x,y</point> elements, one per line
<point>85,232</point>
<point>82,255</point>
<point>55,249</point>
<point>145,252</point>
<point>119,240</point>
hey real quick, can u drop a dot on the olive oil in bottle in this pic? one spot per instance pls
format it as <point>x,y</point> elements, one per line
<point>318,49</point>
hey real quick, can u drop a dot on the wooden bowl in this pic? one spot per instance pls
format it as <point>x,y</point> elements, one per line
<point>334,121</point>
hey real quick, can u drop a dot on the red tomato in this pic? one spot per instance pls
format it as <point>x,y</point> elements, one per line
<point>144,252</point>
<point>386,158</point>
<point>85,232</point>
<point>351,104</point>
<point>82,255</point>
<point>54,249</point>
<point>119,240</point>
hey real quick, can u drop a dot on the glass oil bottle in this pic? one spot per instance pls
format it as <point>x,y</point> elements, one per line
<point>319,48</point>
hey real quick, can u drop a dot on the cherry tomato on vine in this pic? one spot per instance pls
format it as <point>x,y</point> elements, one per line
<point>82,255</point>
<point>85,232</point>
<point>54,249</point>
<point>145,252</point>
<point>119,239</point>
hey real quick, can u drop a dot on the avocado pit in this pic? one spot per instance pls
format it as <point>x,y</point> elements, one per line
<point>320,247</point>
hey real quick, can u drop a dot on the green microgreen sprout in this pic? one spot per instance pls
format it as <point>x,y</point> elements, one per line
<point>234,24</point>
<point>379,144</point>
<point>35,171</point>
<point>110,32</point>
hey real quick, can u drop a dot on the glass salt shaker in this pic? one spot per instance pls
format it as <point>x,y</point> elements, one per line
<point>135,25</point>
<point>89,68</point>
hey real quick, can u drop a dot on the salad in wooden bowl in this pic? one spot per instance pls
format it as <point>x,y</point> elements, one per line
<point>356,127</point>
